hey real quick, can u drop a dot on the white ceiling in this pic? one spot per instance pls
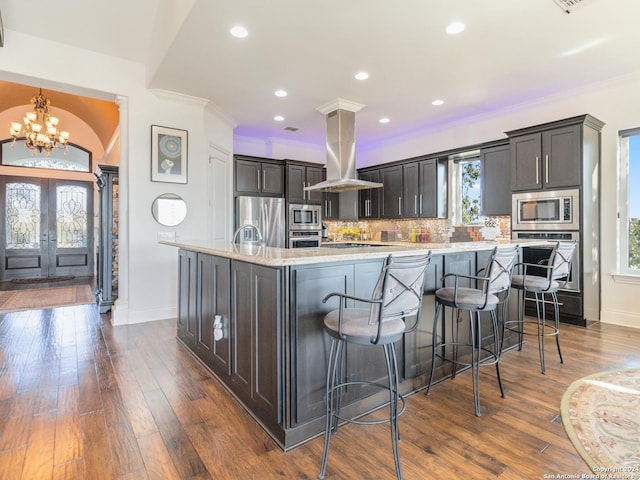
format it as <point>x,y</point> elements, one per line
<point>512,51</point>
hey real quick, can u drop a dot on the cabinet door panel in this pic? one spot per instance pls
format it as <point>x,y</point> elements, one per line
<point>496,180</point>
<point>296,179</point>
<point>391,206</point>
<point>266,326</point>
<point>187,310</point>
<point>369,198</point>
<point>214,276</point>
<point>241,336</point>
<point>311,345</point>
<point>314,175</point>
<point>411,190</point>
<point>272,179</point>
<point>526,155</point>
<point>428,188</point>
<point>562,157</point>
<point>247,174</point>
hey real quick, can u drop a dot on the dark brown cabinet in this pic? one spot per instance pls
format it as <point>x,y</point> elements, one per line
<point>551,156</point>
<point>256,326</point>
<point>432,188</point>
<point>495,164</point>
<point>309,285</point>
<point>187,297</point>
<point>415,189</point>
<point>369,199</point>
<point>256,176</point>
<point>411,190</point>
<point>213,312</point>
<point>300,176</point>
<point>392,192</point>
<point>107,181</point>
<point>331,206</point>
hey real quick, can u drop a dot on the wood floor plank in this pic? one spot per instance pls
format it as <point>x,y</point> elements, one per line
<point>71,470</point>
<point>157,460</point>
<point>11,463</point>
<point>96,448</point>
<point>38,461</point>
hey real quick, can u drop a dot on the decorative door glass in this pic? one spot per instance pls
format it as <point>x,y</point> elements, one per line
<point>22,215</point>
<point>71,216</point>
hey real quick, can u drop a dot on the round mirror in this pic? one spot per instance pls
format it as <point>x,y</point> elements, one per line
<point>169,209</point>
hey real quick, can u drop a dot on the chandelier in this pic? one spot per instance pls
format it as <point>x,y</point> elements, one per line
<point>40,129</point>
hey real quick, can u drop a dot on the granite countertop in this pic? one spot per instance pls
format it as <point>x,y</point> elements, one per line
<point>280,257</point>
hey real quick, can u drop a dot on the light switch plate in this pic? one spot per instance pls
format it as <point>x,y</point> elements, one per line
<point>166,236</point>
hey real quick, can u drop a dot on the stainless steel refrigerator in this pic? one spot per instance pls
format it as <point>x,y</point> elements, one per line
<point>267,215</point>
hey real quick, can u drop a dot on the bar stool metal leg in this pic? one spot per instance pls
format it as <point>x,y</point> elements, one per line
<point>557,323</point>
<point>392,373</point>
<point>331,396</point>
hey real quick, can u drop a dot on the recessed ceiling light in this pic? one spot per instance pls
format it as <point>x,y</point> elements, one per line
<point>437,103</point>
<point>279,118</point>
<point>454,27</point>
<point>384,120</point>
<point>362,76</point>
<point>239,31</point>
<point>281,93</point>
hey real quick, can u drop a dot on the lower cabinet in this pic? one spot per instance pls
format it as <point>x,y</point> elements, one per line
<point>213,309</point>
<point>187,318</point>
<point>310,345</point>
<point>256,299</point>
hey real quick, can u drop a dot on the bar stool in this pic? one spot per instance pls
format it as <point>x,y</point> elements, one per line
<point>397,295</point>
<point>491,296</point>
<point>558,271</point>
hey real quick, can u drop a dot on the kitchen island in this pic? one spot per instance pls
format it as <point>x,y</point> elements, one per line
<point>254,316</point>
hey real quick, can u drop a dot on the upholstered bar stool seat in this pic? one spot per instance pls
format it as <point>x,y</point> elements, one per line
<point>396,296</point>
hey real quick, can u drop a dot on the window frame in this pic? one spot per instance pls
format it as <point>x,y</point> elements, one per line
<point>455,181</point>
<point>623,203</point>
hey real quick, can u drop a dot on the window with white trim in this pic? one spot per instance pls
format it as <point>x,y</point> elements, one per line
<point>629,259</point>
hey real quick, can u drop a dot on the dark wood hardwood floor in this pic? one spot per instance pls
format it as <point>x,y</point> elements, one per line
<point>80,399</point>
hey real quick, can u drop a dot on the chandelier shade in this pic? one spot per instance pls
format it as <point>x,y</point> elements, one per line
<point>40,129</point>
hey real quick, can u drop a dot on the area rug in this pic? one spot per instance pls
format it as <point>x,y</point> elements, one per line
<point>601,415</point>
<point>39,298</point>
<point>42,280</point>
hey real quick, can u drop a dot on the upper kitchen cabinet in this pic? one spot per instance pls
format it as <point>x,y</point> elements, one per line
<point>551,155</point>
<point>300,175</point>
<point>495,163</point>
<point>411,190</point>
<point>368,199</point>
<point>392,192</point>
<point>258,176</point>
<point>432,193</point>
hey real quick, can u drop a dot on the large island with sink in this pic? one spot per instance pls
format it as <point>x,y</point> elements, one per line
<point>254,316</point>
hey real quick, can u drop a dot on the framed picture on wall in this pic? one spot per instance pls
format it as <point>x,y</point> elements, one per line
<point>168,154</point>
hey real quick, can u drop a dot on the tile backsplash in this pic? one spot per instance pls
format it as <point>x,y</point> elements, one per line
<point>424,229</point>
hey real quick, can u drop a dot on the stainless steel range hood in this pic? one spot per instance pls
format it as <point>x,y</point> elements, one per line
<point>341,149</point>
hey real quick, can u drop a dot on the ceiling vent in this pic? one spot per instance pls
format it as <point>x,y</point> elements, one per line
<point>292,129</point>
<point>566,5</point>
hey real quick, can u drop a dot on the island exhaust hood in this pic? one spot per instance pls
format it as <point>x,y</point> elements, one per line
<point>341,149</point>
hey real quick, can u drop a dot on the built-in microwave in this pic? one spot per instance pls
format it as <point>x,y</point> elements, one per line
<point>546,210</point>
<point>304,217</point>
